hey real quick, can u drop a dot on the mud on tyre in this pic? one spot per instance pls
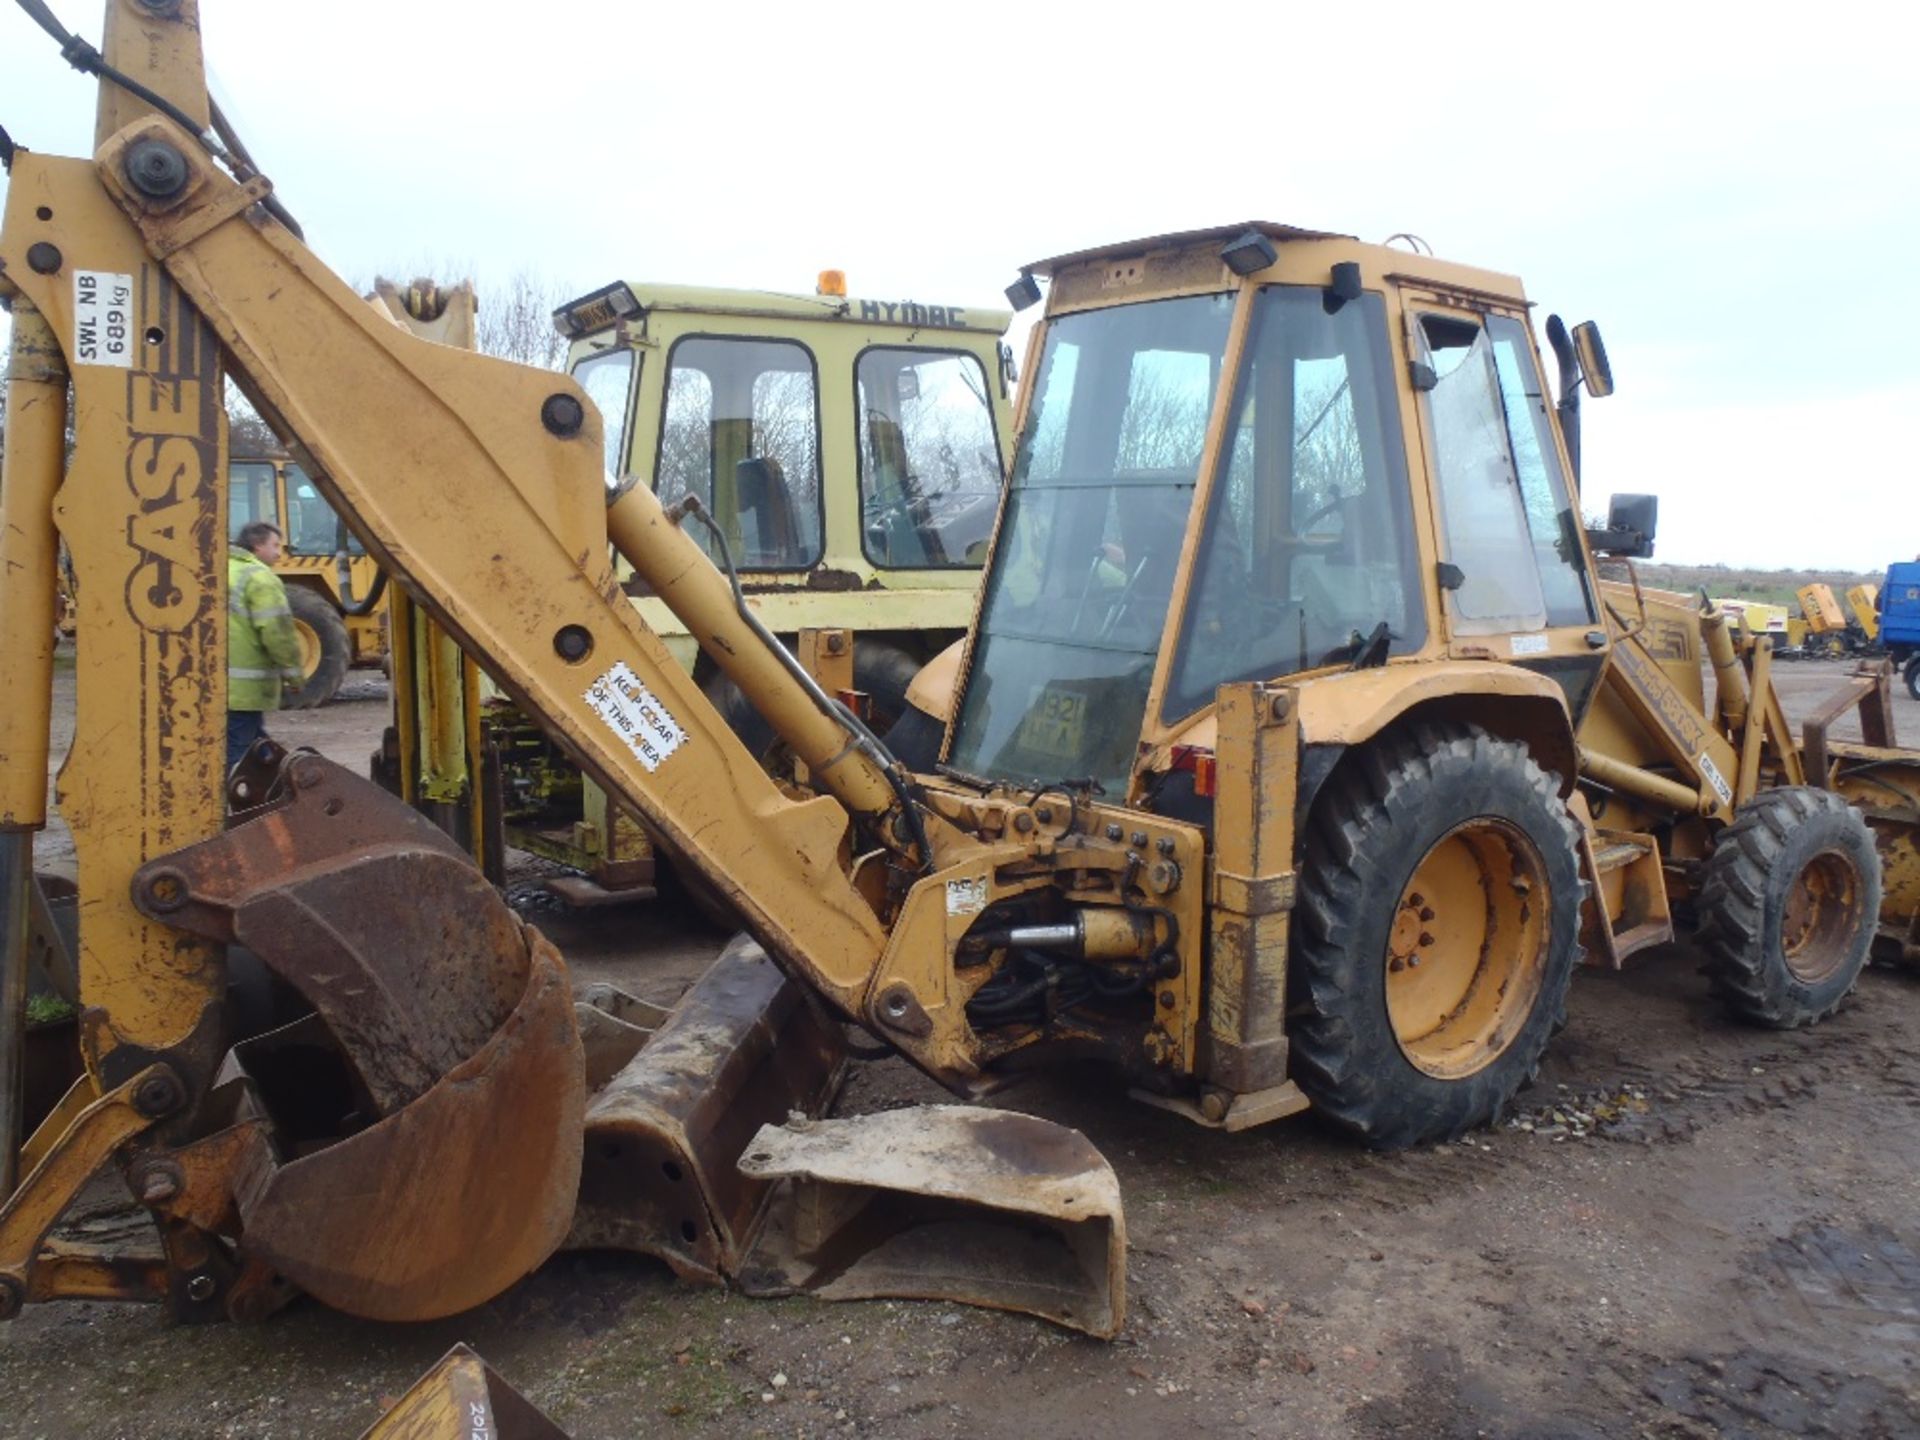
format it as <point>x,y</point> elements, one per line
<point>1435,934</point>
<point>1789,905</point>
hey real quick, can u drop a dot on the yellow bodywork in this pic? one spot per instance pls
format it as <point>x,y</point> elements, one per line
<point>1864,601</point>
<point>1821,609</point>
<point>1155,925</point>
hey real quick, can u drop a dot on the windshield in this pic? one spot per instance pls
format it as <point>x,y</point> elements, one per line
<point>1083,572</point>
<point>1307,557</point>
<point>929,463</point>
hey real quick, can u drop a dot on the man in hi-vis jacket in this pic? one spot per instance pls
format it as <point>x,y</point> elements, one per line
<point>263,649</point>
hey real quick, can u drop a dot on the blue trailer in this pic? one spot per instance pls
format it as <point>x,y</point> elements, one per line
<point>1900,620</point>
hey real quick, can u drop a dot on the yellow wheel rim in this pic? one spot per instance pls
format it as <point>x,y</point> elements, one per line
<point>1822,917</point>
<point>1468,948</point>
<point>310,650</point>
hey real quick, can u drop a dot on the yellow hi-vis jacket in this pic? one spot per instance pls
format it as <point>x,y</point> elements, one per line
<point>263,649</point>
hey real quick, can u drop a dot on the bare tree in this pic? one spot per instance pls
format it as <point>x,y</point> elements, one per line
<point>516,320</point>
<point>247,434</point>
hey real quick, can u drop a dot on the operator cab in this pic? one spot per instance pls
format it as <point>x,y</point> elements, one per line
<point>1254,453</point>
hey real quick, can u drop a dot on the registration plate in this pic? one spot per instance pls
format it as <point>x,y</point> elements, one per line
<point>1056,725</point>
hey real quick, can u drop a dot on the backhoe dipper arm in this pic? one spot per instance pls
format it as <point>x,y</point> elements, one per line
<point>478,484</point>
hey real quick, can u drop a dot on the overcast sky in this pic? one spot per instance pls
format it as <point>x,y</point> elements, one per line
<point>1732,196</point>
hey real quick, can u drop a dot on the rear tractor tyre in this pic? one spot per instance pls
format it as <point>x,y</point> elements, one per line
<point>1789,905</point>
<point>325,651</point>
<point>1913,677</point>
<point>1435,936</point>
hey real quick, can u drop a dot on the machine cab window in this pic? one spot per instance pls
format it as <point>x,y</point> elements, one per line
<point>1307,555</point>
<point>251,495</point>
<point>313,528</point>
<point>608,380</point>
<point>742,432</point>
<point>1508,523</point>
<point>1082,574</point>
<point>929,460</point>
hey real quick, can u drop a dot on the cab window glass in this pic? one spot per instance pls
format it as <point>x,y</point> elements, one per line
<point>1552,520</point>
<point>1485,522</point>
<point>1082,572</point>
<point>608,380</point>
<point>741,432</point>
<point>312,527</point>
<point>250,495</point>
<point>1307,555</point>
<point>929,460</point>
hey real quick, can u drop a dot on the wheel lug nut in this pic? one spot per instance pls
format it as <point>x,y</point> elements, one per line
<point>1426,912</point>
<point>1425,938</point>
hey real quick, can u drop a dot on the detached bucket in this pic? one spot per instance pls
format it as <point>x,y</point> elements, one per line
<point>706,1149</point>
<point>944,1202</point>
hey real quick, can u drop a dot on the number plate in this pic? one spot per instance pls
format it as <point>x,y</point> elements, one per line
<point>1056,725</point>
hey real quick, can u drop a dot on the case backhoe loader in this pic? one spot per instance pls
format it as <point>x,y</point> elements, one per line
<point>1295,756</point>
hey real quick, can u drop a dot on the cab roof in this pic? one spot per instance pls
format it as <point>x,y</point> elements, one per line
<point>1179,240</point>
<point>1383,259</point>
<point>903,314</point>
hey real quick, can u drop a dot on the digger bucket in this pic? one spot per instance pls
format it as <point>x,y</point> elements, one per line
<point>742,1049</point>
<point>462,1398</point>
<point>706,1149</point>
<point>423,1145</point>
<point>943,1202</point>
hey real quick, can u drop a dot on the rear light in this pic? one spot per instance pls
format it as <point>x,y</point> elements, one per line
<point>1198,761</point>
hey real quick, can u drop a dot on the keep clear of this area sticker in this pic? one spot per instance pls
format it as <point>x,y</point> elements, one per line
<point>102,318</point>
<point>635,714</point>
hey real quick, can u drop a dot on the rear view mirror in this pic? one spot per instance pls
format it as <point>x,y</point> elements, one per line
<point>1593,359</point>
<point>1631,522</point>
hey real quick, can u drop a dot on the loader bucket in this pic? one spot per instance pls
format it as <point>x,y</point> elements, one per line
<point>426,1120</point>
<point>943,1202</point>
<point>462,1398</point>
<point>742,1049</point>
<point>706,1150</point>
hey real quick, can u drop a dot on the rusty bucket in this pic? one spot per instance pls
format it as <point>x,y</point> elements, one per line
<point>421,1150</point>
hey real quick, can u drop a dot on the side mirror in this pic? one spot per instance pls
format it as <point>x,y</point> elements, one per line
<point>1631,522</point>
<point>1592,351</point>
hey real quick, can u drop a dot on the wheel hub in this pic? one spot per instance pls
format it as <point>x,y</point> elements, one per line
<point>1467,949</point>
<point>1822,917</point>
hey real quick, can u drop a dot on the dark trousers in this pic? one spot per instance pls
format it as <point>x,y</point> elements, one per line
<point>243,728</point>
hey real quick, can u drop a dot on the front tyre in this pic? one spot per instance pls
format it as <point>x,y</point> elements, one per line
<point>1435,936</point>
<point>325,650</point>
<point>1789,905</point>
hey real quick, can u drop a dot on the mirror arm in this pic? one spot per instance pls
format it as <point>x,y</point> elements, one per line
<point>1568,408</point>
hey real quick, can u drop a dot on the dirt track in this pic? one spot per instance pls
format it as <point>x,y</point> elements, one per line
<point>1729,1249</point>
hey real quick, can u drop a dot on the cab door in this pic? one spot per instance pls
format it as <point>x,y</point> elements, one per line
<point>1514,570</point>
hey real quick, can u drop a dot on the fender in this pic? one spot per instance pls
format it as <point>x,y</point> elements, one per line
<point>1352,707</point>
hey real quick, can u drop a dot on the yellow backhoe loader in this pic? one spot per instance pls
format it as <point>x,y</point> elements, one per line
<point>1295,756</point>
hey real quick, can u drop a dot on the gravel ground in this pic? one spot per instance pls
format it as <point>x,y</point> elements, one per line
<point>1687,1229</point>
